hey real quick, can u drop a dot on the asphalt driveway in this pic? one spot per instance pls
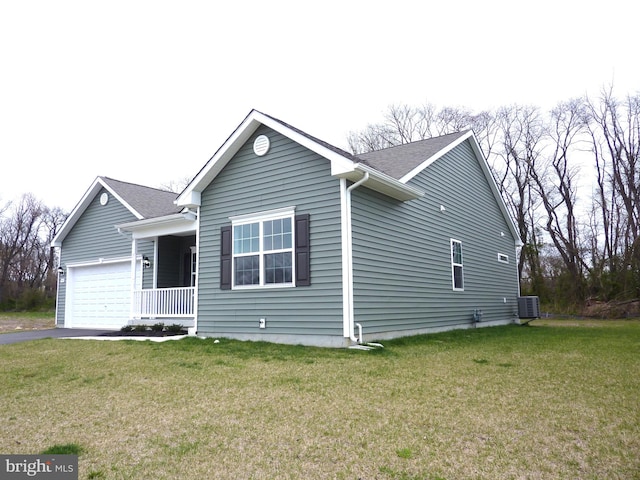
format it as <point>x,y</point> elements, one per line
<point>27,335</point>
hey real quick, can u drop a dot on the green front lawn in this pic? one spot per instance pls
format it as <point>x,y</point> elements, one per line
<point>543,401</point>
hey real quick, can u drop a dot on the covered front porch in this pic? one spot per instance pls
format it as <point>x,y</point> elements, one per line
<point>164,290</point>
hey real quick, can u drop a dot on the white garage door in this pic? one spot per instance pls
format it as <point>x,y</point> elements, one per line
<point>99,296</point>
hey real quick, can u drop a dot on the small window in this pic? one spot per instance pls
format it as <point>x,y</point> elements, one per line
<point>457,271</point>
<point>503,258</point>
<point>263,251</point>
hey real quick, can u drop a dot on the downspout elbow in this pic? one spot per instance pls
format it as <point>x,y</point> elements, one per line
<point>358,183</point>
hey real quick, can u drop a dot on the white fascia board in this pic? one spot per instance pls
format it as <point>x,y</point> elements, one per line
<point>238,138</point>
<point>177,223</point>
<point>121,200</point>
<point>338,162</point>
<point>496,191</point>
<point>82,205</point>
<point>190,197</point>
<point>435,156</point>
<point>484,165</point>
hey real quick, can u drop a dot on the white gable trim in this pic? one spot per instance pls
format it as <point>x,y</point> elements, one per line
<point>97,185</point>
<point>484,165</point>
<point>190,196</point>
<point>435,157</point>
<point>341,166</point>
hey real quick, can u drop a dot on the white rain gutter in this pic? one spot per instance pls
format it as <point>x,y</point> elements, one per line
<point>347,259</point>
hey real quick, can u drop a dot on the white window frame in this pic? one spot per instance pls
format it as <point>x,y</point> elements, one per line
<point>503,258</point>
<point>455,265</point>
<point>261,218</point>
<point>194,266</point>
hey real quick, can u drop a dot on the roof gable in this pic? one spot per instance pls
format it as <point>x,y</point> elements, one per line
<point>343,164</point>
<point>143,202</point>
<point>387,171</point>
<point>406,161</point>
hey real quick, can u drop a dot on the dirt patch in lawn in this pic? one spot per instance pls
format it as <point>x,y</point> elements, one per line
<point>15,322</point>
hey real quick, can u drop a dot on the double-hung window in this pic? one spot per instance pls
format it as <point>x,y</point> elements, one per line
<point>263,249</point>
<point>457,272</point>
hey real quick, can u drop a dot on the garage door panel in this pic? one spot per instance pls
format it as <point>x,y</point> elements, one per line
<point>99,296</point>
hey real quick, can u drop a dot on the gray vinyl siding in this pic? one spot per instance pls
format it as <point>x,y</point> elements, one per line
<point>402,252</point>
<point>288,175</point>
<point>95,237</point>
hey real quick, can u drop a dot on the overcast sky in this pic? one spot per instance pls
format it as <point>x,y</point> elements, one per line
<point>146,91</point>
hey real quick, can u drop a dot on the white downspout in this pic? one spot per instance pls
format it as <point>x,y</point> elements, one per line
<point>347,257</point>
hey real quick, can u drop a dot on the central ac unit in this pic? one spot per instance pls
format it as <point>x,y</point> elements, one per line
<point>529,307</point>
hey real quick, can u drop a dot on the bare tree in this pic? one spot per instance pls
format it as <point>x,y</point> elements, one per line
<point>614,128</point>
<point>26,259</point>
<point>556,181</point>
<point>176,186</point>
<point>405,124</point>
<point>521,134</point>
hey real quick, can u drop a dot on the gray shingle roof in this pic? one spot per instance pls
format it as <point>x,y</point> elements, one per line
<point>399,160</point>
<point>394,161</point>
<point>148,202</point>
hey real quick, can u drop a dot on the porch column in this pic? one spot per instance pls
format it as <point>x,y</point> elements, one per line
<point>134,256</point>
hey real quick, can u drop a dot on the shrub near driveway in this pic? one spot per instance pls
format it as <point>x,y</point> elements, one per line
<point>505,402</point>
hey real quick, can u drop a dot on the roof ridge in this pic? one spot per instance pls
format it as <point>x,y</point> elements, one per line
<point>399,160</point>
<point>458,133</point>
<point>311,137</point>
<point>137,185</point>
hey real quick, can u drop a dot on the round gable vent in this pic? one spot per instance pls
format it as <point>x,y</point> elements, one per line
<point>261,145</point>
<point>104,198</point>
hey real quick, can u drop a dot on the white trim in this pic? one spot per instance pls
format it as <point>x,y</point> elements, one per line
<point>154,266</point>
<point>341,166</point>
<point>100,261</point>
<point>454,264</point>
<point>434,157</point>
<point>383,183</point>
<point>132,285</point>
<point>264,215</point>
<point>484,166</point>
<point>160,226</point>
<point>97,185</point>
<point>260,218</point>
<point>197,283</point>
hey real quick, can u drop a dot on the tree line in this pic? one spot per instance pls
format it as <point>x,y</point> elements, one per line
<point>570,178</point>
<point>27,260</point>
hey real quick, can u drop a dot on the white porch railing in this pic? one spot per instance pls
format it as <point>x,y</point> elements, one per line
<point>163,302</point>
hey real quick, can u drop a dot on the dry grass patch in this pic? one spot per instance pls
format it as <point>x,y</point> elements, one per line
<point>16,321</point>
<point>513,402</point>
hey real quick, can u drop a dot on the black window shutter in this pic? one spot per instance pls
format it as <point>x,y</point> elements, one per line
<point>303,258</point>
<point>225,257</point>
